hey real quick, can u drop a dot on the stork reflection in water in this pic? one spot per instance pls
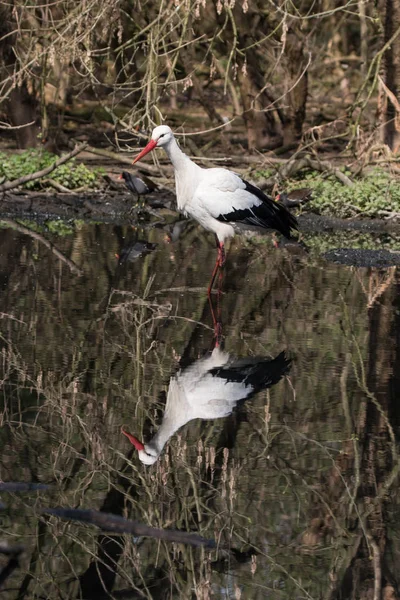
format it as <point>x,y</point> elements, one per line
<point>210,388</point>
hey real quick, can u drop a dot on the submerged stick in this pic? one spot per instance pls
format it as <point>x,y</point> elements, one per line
<point>17,486</point>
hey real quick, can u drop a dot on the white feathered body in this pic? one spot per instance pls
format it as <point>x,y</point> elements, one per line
<point>195,393</point>
<point>219,199</point>
<point>211,387</point>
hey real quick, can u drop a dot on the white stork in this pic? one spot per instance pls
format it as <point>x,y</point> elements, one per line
<point>210,388</point>
<point>217,198</point>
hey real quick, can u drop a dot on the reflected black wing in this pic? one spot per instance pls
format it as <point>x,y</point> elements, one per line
<point>260,373</point>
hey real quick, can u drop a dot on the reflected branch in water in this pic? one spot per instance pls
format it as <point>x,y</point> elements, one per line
<point>118,524</point>
<point>37,236</point>
<point>15,486</point>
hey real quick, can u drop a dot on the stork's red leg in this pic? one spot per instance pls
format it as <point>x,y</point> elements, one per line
<point>216,314</point>
<point>218,267</point>
<point>216,323</point>
<point>215,271</point>
<point>221,254</point>
<point>219,263</point>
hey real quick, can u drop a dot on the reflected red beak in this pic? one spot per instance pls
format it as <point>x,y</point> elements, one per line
<point>138,445</point>
<point>150,146</point>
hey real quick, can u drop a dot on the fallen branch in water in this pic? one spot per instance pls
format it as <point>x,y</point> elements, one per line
<point>37,236</point>
<point>117,524</point>
<point>9,185</point>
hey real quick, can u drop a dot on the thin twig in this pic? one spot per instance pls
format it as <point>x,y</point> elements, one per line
<point>123,159</point>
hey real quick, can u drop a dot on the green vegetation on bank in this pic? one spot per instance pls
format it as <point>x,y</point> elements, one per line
<point>71,175</point>
<point>376,194</point>
<point>318,243</point>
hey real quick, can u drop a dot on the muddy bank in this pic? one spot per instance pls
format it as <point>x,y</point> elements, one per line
<point>110,207</point>
<point>363,257</point>
<point>118,207</point>
<point>351,242</point>
<point>314,223</point>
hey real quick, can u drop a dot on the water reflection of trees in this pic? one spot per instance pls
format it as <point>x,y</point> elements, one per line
<point>300,482</point>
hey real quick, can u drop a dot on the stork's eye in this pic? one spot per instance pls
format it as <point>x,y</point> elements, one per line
<point>161,135</point>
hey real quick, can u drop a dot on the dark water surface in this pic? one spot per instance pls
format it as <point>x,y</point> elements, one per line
<point>298,486</point>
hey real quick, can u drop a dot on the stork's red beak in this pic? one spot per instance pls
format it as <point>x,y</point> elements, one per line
<point>138,445</point>
<point>150,146</point>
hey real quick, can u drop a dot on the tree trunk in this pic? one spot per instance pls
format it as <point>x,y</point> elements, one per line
<point>269,125</point>
<point>263,129</point>
<point>22,111</point>
<point>21,106</point>
<point>297,88</point>
<point>391,66</point>
<point>254,120</point>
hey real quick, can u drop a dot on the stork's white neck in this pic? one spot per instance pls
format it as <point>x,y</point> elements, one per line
<point>167,430</point>
<point>178,158</point>
<point>176,415</point>
<point>187,173</point>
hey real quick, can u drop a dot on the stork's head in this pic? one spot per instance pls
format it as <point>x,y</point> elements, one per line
<point>147,453</point>
<point>160,137</point>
